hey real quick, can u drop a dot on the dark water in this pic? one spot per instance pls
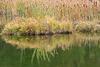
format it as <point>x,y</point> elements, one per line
<point>50,51</point>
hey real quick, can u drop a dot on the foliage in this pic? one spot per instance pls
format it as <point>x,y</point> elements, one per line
<point>47,25</point>
<point>88,27</point>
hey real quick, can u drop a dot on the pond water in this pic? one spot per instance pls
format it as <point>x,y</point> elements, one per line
<point>74,50</point>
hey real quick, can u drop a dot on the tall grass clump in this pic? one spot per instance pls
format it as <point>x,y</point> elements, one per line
<point>30,26</point>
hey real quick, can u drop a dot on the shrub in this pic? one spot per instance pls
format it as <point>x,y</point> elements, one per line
<point>87,27</point>
<point>47,25</point>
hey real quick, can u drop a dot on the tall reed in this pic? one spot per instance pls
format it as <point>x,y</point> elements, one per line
<point>75,10</point>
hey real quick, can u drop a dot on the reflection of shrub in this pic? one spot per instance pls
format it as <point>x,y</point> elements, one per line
<point>45,46</point>
<point>86,38</point>
<point>51,42</point>
<point>36,26</point>
<point>47,42</point>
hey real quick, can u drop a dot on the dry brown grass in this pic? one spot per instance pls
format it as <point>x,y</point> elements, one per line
<point>62,9</point>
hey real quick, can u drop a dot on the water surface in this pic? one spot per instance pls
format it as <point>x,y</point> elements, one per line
<point>78,50</point>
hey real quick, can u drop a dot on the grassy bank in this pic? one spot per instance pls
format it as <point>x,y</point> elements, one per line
<point>31,26</point>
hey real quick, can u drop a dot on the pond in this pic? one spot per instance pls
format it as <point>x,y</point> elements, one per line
<point>73,50</point>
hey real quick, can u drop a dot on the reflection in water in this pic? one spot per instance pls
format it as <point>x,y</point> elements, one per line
<point>46,46</point>
<point>43,45</point>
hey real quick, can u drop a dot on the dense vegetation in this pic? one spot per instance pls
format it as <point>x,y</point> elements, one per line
<point>43,17</point>
<point>61,9</point>
<point>32,26</point>
<point>63,16</point>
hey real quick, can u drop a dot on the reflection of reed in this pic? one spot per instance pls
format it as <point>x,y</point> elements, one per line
<point>41,53</point>
<point>44,46</point>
